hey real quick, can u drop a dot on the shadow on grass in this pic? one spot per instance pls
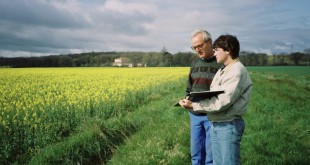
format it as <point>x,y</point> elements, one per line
<point>94,145</point>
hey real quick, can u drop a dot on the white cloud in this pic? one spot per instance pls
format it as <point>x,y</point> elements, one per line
<point>129,8</point>
<point>66,26</point>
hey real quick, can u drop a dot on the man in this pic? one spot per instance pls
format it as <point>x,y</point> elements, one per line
<point>225,111</point>
<point>201,74</point>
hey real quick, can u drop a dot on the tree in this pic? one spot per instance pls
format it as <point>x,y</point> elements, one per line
<point>183,59</point>
<point>262,59</point>
<point>307,54</point>
<point>64,61</point>
<point>166,57</point>
<point>296,57</point>
<point>152,59</point>
<point>135,57</point>
<point>248,58</point>
<point>80,61</point>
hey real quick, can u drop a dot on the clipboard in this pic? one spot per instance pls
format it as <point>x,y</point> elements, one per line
<point>202,94</point>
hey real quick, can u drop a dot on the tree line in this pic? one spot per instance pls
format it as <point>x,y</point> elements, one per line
<point>149,59</point>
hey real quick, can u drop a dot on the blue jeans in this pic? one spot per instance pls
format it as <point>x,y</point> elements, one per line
<point>226,138</point>
<point>200,140</point>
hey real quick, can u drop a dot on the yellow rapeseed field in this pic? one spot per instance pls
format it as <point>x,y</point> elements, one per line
<point>24,90</point>
<point>39,105</point>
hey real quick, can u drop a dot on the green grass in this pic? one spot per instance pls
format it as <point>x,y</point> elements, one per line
<point>277,120</point>
<point>277,124</point>
<point>289,70</point>
<point>164,137</point>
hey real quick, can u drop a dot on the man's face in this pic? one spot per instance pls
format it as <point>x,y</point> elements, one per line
<point>202,48</point>
<point>221,55</point>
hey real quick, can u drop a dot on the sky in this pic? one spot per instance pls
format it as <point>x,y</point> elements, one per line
<point>53,27</point>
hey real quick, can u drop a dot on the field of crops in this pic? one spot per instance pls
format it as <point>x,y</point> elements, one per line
<point>126,116</point>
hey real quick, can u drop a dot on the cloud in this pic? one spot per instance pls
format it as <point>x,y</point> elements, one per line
<point>37,13</point>
<point>43,27</point>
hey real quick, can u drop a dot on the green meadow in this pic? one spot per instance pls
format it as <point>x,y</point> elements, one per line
<point>277,124</point>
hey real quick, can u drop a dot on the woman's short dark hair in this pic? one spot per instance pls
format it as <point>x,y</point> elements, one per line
<point>228,43</point>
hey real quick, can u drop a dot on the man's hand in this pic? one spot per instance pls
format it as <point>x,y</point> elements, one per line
<point>187,104</point>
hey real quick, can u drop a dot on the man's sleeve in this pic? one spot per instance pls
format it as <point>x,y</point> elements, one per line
<point>189,83</point>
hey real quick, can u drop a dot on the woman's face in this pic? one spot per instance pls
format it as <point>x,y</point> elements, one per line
<point>221,55</point>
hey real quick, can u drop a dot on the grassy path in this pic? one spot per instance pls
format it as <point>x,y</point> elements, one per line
<point>163,137</point>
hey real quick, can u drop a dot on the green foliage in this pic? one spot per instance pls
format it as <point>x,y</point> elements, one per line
<point>150,59</point>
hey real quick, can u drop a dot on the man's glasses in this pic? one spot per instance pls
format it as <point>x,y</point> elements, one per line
<point>198,46</point>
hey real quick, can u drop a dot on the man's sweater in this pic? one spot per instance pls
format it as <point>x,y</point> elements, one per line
<point>201,74</point>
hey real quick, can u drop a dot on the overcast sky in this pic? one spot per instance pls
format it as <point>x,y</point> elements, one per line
<point>45,27</point>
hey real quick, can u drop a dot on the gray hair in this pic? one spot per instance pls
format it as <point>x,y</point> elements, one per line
<point>206,34</point>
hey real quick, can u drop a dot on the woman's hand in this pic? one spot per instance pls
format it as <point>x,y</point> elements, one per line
<point>187,104</point>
